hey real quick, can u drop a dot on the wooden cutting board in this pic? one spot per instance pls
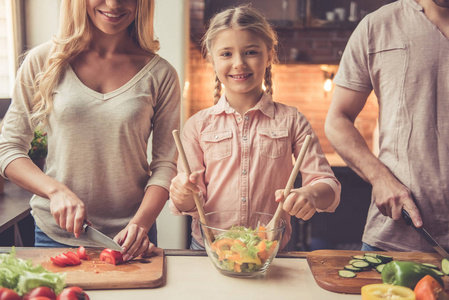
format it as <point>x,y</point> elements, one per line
<point>94,274</point>
<point>325,265</point>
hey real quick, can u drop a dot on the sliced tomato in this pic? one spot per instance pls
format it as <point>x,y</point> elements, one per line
<point>73,257</point>
<point>111,256</point>
<point>57,261</point>
<point>7,294</point>
<point>82,253</point>
<point>73,293</point>
<point>39,292</point>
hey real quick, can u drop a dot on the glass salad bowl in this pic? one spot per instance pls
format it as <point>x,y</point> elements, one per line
<point>241,247</point>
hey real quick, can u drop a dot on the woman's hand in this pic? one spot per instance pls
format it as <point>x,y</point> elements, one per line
<point>68,210</point>
<point>182,189</point>
<point>134,241</point>
<point>299,203</point>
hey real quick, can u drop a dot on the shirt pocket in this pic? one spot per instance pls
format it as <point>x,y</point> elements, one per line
<point>217,144</point>
<point>273,141</point>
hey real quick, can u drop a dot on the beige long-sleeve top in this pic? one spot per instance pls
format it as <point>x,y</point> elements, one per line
<point>97,143</point>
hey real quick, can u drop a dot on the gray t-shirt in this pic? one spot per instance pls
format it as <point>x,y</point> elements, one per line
<point>401,55</point>
<point>97,143</point>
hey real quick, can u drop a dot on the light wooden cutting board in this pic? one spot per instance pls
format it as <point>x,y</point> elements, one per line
<point>325,265</point>
<point>95,274</point>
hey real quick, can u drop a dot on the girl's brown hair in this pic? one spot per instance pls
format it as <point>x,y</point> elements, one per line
<point>243,17</point>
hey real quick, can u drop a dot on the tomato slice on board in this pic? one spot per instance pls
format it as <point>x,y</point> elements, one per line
<point>57,261</point>
<point>82,253</point>
<point>74,258</point>
<point>67,261</point>
<point>111,256</point>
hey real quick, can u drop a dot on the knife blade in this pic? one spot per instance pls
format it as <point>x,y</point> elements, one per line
<point>100,238</point>
<point>423,232</point>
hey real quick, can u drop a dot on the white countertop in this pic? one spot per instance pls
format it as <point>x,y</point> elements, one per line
<point>190,277</point>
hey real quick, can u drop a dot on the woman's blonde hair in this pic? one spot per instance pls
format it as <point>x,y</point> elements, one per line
<point>242,17</point>
<point>75,35</point>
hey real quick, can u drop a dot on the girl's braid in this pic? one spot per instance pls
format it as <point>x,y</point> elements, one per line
<point>268,82</point>
<point>217,90</point>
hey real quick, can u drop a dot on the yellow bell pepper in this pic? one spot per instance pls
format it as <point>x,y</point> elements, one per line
<point>386,291</point>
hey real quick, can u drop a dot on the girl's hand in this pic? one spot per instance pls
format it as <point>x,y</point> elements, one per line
<point>68,210</point>
<point>299,203</point>
<point>134,241</point>
<point>182,189</point>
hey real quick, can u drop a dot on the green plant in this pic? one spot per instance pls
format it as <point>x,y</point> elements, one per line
<point>38,145</point>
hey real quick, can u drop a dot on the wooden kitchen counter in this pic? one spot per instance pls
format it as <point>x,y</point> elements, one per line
<point>14,206</point>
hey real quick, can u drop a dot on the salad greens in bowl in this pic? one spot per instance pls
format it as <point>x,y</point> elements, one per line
<point>241,247</point>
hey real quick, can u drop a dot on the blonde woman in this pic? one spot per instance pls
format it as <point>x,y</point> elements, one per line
<point>101,90</point>
<point>242,147</point>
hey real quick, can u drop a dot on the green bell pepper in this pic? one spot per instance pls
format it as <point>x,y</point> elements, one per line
<point>407,273</point>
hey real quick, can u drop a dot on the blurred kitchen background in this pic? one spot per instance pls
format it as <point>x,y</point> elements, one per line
<point>312,37</point>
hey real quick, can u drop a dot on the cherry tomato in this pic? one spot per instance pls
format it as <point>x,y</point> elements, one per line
<point>111,256</point>
<point>7,294</point>
<point>73,293</point>
<point>41,298</point>
<point>42,291</point>
<point>73,257</point>
<point>82,253</point>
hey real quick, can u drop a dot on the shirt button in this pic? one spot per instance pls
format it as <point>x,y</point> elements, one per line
<point>245,138</point>
<point>239,119</point>
<point>244,172</point>
<point>243,199</point>
<point>216,137</point>
<point>273,133</point>
<point>246,118</point>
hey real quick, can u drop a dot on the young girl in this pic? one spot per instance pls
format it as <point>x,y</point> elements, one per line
<point>242,147</point>
<point>101,90</point>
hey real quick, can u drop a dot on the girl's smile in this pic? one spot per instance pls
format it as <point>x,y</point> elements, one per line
<point>240,59</point>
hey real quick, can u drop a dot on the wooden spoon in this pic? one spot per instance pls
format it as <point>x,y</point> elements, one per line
<point>199,205</point>
<point>277,215</point>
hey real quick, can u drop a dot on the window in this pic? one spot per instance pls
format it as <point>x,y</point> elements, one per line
<point>11,41</point>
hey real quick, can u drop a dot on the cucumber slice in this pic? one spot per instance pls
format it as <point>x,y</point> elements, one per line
<point>361,264</point>
<point>360,257</point>
<point>353,260</point>
<point>432,266</point>
<point>373,261</point>
<point>370,254</point>
<point>346,274</point>
<point>445,266</point>
<point>380,267</point>
<point>384,258</point>
<point>352,268</point>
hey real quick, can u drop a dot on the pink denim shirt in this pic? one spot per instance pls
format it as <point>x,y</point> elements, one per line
<point>243,160</point>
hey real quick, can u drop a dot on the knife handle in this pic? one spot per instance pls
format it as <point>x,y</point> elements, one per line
<point>407,218</point>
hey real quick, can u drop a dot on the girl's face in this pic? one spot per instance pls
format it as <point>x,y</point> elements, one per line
<point>240,58</point>
<point>111,16</point>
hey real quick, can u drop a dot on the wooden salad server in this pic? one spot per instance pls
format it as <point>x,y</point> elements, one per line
<point>199,205</point>
<point>274,222</point>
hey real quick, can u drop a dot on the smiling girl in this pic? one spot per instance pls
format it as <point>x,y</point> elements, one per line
<point>101,90</point>
<point>242,147</point>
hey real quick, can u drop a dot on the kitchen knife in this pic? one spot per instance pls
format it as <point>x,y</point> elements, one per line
<point>423,232</point>
<point>100,238</point>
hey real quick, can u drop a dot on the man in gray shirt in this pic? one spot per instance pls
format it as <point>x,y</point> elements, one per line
<point>401,52</point>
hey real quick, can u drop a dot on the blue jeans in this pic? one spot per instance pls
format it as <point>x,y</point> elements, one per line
<point>43,240</point>
<point>195,245</point>
<point>366,247</point>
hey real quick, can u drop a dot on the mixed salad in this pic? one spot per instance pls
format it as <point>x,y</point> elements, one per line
<point>242,249</point>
